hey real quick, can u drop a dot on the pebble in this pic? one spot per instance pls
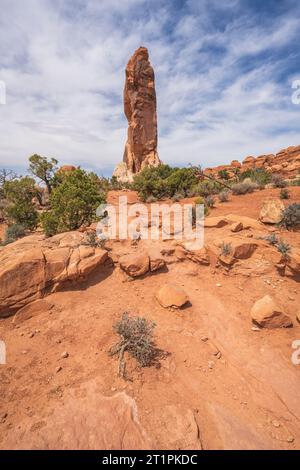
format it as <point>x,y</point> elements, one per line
<point>276,423</point>
<point>31,335</point>
<point>204,338</point>
<point>219,355</point>
<point>65,355</point>
<point>255,328</point>
<point>211,364</point>
<point>58,369</point>
<point>3,417</point>
<point>290,439</point>
<point>219,285</point>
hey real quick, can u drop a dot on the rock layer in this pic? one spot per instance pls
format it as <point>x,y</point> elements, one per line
<point>35,266</point>
<point>140,110</point>
<point>285,163</point>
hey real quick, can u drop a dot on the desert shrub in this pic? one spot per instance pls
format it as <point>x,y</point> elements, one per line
<point>200,200</point>
<point>295,182</point>
<point>271,239</point>
<point>151,199</point>
<point>73,203</point>
<point>226,248</point>
<point>136,338</point>
<point>164,181</point>
<point>284,248</point>
<point>245,187</point>
<point>181,180</point>
<point>224,195</point>
<point>151,181</point>
<point>20,209</point>
<point>284,193</point>
<point>91,239</point>
<point>210,201</point>
<point>291,217</point>
<point>205,188</point>
<point>257,175</point>
<point>13,233</point>
<point>278,181</point>
<point>177,197</point>
<point>223,174</point>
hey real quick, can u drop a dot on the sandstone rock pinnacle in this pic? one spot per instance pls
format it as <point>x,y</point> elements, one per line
<point>140,110</point>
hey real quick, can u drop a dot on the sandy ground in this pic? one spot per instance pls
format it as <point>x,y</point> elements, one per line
<point>245,397</point>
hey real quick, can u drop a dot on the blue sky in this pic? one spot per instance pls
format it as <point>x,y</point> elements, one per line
<point>224,72</point>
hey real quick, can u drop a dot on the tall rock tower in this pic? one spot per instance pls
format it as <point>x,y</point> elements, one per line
<point>140,110</point>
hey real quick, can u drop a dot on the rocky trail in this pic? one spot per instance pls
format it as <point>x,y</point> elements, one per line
<point>226,383</point>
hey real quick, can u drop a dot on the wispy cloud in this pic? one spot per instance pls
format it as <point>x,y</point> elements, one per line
<point>223,75</point>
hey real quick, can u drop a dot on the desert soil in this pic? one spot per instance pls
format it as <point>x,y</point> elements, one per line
<point>223,384</point>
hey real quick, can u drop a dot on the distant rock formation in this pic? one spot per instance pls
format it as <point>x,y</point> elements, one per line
<point>285,163</point>
<point>140,110</point>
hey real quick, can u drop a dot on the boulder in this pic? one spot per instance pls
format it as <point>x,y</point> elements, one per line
<point>271,211</point>
<point>266,313</point>
<point>243,249</point>
<point>34,266</point>
<point>236,227</point>
<point>215,222</point>
<point>199,256</point>
<point>135,264</point>
<point>156,260</point>
<point>171,295</point>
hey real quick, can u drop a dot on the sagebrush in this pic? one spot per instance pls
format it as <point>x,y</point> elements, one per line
<point>136,338</point>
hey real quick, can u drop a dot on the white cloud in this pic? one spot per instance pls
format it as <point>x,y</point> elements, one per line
<point>63,64</point>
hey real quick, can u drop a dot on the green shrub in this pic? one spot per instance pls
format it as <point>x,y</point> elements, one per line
<point>224,196</point>
<point>291,217</point>
<point>181,180</point>
<point>295,182</point>
<point>43,169</point>
<point>199,201</point>
<point>223,174</point>
<point>177,197</point>
<point>73,203</point>
<point>136,338</point>
<point>13,233</point>
<point>284,193</point>
<point>151,181</point>
<point>20,209</point>
<point>257,175</point>
<point>164,182</point>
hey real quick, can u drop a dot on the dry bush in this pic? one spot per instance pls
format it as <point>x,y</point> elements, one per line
<point>136,338</point>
